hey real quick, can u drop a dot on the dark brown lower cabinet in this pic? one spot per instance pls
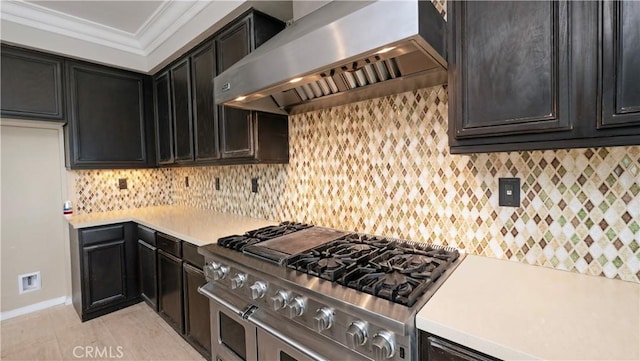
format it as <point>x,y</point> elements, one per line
<point>170,290</point>
<point>197,328</point>
<point>104,271</point>
<point>179,303</point>
<point>433,348</point>
<point>147,266</point>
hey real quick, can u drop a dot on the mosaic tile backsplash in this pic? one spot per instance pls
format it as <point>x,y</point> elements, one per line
<point>383,167</point>
<point>97,190</point>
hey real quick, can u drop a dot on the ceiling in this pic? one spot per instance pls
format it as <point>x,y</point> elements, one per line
<point>127,16</point>
<point>141,35</point>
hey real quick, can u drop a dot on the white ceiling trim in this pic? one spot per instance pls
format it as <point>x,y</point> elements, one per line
<point>162,24</point>
<point>45,19</point>
<point>172,16</point>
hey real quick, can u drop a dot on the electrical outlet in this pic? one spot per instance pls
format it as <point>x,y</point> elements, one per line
<point>509,192</point>
<point>217,183</point>
<point>254,185</point>
<point>122,183</point>
<point>186,182</point>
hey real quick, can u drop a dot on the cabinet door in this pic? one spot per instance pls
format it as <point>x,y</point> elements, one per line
<point>170,290</point>
<point>236,133</point>
<point>234,44</point>
<point>509,68</point>
<point>197,326</point>
<point>107,125</point>
<point>620,64</point>
<point>104,274</point>
<point>147,270</point>
<point>31,85</point>
<point>164,123</point>
<point>182,116</point>
<point>205,119</point>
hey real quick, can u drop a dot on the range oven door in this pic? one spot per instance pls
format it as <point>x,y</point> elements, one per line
<point>236,337</point>
<point>273,349</point>
<point>232,337</point>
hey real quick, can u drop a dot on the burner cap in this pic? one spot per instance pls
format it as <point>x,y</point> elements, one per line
<point>329,263</point>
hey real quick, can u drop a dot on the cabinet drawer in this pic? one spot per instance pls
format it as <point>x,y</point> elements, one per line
<point>147,235</point>
<point>191,255</point>
<point>102,234</point>
<point>169,244</point>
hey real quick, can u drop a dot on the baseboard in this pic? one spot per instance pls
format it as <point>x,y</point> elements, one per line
<point>35,307</point>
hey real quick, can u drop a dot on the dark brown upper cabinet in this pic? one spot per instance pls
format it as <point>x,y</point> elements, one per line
<point>527,75</point>
<point>512,64</point>
<point>260,138</point>
<point>252,136</point>
<point>182,111</point>
<point>620,73</point>
<point>201,132</point>
<point>31,85</point>
<point>110,118</point>
<point>205,117</point>
<point>164,118</point>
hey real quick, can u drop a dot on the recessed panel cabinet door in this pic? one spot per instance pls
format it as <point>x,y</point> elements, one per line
<point>510,68</point>
<point>105,275</point>
<point>164,123</point>
<point>31,85</point>
<point>170,290</point>
<point>205,119</point>
<point>108,111</point>
<point>620,64</point>
<point>197,327</point>
<point>182,111</point>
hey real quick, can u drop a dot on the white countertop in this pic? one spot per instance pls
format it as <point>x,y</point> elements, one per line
<point>196,226</point>
<point>512,310</point>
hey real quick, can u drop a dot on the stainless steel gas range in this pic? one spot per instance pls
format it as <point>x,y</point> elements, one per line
<point>301,292</point>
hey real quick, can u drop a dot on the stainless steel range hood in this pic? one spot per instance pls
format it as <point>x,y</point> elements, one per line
<point>344,52</point>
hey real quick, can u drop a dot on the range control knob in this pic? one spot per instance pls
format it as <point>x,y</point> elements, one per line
<point>258,289</point>
<point>356,334</point>
<point>221,272</point>
<point>279,300</point>
<point>383,346</point>
<point>237,281</point>
<point>296,307</point>
<point>209,268</point>
<point>323,319</point>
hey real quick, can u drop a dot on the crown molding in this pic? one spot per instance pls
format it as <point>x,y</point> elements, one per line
<point>41,18</point>
<point>162,24</point>
<point>165,22</point>
<point>172,27</point>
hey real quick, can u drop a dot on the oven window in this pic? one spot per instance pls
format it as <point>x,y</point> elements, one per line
<point>232,335</point>
<point>285,357</point>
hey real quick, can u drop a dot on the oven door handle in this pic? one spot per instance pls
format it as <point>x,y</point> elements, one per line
<point>305,350</point>
<point>208,290</point>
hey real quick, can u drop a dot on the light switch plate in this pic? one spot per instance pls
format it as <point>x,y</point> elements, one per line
<point>217,183</point>
<point>122,183</point>
<point>254,185</point>
<point>509,192</point>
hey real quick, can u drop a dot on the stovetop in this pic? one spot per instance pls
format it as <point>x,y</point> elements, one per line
<point>395,270</point>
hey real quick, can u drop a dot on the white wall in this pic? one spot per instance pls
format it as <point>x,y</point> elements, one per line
<point>33,234</point>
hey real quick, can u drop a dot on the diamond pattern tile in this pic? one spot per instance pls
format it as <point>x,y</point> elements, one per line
<point>383,166</point>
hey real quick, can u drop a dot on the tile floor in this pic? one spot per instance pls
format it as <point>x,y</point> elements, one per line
<point>133,333</point>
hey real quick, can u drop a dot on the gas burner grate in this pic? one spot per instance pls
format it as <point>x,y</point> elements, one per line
<point>239,242</point>
<point>396,270</point>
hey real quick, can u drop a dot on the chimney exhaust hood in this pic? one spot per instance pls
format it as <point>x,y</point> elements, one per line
<point>344,52</point>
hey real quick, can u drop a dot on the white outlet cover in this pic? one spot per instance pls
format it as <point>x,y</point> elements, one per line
<point>29,282</point>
